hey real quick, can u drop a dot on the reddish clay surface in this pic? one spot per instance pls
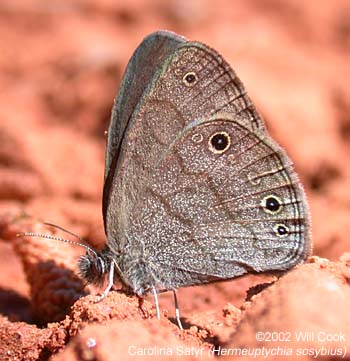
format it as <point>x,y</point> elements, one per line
<point>60,65</point>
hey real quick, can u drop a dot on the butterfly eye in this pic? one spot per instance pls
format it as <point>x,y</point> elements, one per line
<point>281,230</point>
<point>190,79</point>
<point>219,142</point>
<point>271,204</point>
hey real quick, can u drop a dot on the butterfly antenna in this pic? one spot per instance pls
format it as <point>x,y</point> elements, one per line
<point>64,230</point>
<point>48,236</point>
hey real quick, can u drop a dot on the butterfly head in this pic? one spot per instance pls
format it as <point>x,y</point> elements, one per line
<point>93,267</point>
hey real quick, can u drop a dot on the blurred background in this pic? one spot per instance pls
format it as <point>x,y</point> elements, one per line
<point>60,67</point>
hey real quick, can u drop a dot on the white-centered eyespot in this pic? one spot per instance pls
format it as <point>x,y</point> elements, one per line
<point>281,230</point>
<point>219,142</point>
<point>272,204</point>
<point>190,78</point>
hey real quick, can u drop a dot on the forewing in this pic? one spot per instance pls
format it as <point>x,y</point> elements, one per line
<point>136,83</point>
<point>169,103</point>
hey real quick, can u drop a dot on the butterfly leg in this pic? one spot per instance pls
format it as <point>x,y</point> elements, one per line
<point>109,286</point>
<point>177,310</point>
<point>156,303</point>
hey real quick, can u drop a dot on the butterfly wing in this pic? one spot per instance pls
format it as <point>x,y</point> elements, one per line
<point>141,69</point>
<point>192,214</point>
<point>199,83</point>
<point>209,213</point>
<point>164,102</point>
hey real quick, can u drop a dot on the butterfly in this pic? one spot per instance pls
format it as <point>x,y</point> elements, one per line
<point>195,189</point>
